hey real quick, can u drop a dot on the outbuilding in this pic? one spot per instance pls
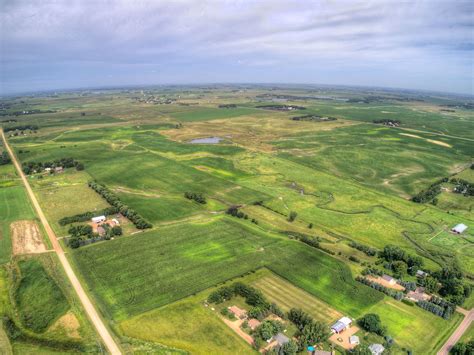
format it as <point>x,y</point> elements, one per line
<point>98,219</point>
<point>389,279</point>
<point>354,340</point>
<point>281,339</point>
<point>459,228</point>
<point>341,325</point>
<point>376,349</point>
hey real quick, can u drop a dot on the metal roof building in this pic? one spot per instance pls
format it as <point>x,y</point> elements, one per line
<point>459,228</point>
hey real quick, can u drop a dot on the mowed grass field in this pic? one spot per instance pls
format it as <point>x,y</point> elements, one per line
<point>287,296</point>
<point>162,266</point>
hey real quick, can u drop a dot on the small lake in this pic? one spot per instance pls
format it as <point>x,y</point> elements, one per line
<point>208,140</point>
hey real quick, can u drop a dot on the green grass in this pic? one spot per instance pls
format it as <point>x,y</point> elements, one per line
<point>186,325</point>
<point>205,114</point>
<point>159,267</point>
<point>468,335</point>
<point>14,205</point>
<point>38,298</point>
<point>414,328</point>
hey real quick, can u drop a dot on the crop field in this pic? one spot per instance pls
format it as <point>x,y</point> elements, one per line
<point>347,179</point>
<point>209,253</point>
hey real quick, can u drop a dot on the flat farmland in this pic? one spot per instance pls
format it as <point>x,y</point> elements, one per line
<point>208,254</point>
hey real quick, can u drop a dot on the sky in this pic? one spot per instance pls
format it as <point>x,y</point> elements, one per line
<point>47,45</point>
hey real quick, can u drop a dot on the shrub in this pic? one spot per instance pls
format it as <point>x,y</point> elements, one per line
<point>371,322</point>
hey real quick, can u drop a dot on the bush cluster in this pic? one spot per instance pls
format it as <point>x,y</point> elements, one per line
<point>195,196</point>
<point>372,323</point>
<point>392,253</point>
<point>5,158</point>
<point>126,211</point>
<point>234,212</point>
<point>310,331</point>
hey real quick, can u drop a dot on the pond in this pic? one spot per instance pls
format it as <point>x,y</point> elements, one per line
<point>208,140</point>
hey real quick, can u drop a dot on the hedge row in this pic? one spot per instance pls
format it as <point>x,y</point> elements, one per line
<point>82,217</point>
<point>126,211</point>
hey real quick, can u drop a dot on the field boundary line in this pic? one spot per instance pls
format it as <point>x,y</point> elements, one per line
<point>89,308</point>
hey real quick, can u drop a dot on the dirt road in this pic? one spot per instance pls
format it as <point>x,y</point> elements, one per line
<point>86,302</point>
<point>453,339</point>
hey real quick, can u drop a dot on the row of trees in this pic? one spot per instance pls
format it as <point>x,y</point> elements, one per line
<point>82,217</point>
<point>5,158</point>
<point>375,285</point>
<point>31,167</point>
<point>234,212</point>
<point>444,312</point>
<point>363,248</point>
<point>126,211</point>
<point>429,194</point>
<point>310,332</point>
<point>198,197</point>
<point>21,128</point>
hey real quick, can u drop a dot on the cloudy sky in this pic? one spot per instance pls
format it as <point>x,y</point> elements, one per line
<point>73,44</point>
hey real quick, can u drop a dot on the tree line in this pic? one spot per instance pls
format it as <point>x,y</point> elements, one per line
<point>398,295</point>
<point>309,332</point>
<point>114,200</point>
<point>363,248</point>
<point>430,193</point>
<point>21,128</point>
<point>82,217</point>
<point>32,167</point>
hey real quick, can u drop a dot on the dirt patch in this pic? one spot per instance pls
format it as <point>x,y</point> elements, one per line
<point>385,283</point>
<point>342,339</point>
<point>69,324</point>
<point>235,326</point>
<point>26,238</point>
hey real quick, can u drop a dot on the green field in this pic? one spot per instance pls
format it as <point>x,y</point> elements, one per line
<point>207,254</point>
<point>14,205</point>
<point>347,179</point>
<point>39,299</point>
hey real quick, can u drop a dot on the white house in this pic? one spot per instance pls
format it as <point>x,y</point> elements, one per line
<point>459,228</point>
<point>98,219</point>
<point>354,340</point>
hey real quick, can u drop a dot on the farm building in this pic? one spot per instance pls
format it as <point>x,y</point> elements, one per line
<point>238,312</point>
<point>389,279</point>
<point>421,274</point>
<point>98,219</point>
<point>116,222</point>
<point>341,325</point>
<point>459,228</point>
<point>354,340</point>
<point>58,169</point>
<point>253,323</point>
<point>281,339</point>
<point>376,349</point>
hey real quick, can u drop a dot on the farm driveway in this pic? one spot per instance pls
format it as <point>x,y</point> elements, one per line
<point>453,339</point>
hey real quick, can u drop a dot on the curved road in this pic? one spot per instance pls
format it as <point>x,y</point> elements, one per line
<point>104,333</point>
<point>454,338</point>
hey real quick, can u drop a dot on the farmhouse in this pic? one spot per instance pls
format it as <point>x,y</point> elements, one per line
<point>238,312</point>
<point>459,228</point>
<point>98,219</point>
<point>418,295</point>
<point>341,325</point>
<point>376,349</point>
<point>253,323</point>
